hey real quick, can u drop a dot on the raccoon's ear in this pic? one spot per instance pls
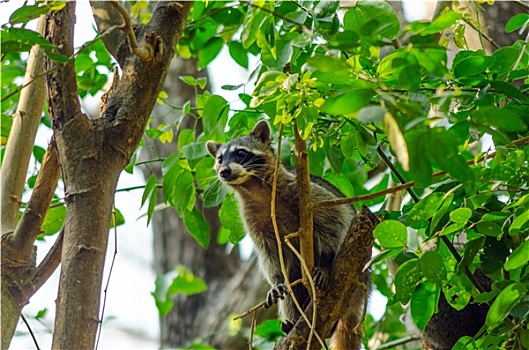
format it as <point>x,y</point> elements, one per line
<point>261,131</point>
<point>213,147</point>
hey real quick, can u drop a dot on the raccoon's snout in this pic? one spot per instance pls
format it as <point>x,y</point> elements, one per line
<point>225,173</point>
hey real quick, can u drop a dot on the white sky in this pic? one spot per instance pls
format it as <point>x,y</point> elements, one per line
<point>132,318</point>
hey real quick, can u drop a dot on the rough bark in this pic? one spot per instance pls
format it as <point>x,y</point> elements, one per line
<point>233,285</point>
<point>92,154</point>
<point>345,279</point>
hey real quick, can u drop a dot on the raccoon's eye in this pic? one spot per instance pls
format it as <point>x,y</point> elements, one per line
<point>219,159</point>
<point>240,153</point>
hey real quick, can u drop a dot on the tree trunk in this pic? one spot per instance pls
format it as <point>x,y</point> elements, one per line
<point>92,154</point>
<point>233,285</point>
<point>497,16</point>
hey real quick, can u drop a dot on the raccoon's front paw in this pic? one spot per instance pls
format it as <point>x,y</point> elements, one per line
<point>274,294</point>
<point>321,278</point>
<point>287,326</point>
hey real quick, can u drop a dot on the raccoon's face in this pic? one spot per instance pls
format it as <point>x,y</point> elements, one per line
<point>241,159</point>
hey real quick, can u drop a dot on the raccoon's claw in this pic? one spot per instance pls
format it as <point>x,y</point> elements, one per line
<point>274,294</point>
<point>287,326</point>
<point>321,278</point>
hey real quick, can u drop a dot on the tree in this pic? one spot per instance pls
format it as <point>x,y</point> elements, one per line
<point>320,73</point>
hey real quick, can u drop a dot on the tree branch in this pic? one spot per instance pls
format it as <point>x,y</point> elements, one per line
<point>31,221</point>
<point>47,267</point>
<point>305,206</point>
<point>22,136</point>
<point>348,278</point>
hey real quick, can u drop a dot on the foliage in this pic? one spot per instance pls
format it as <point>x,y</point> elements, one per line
<point>360,86</point>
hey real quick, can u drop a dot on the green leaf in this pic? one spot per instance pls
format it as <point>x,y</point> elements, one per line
<point>420,167</point>
<point>177,281</point>
<point>440,212</point>
<point>27,13</point>
<point>472,65</point>
<point>38,153</point>
<point>489,228</point>
<point>397,141</point>
<point>269,329</point>
<point>117,218</point>
<point>238,53</point>
<point>194,153</point>
<point>279,58</point>
<point>371,114</point>
<point>470,251</point>
<point>253,23</point>
<point>458,291</point>
<point>54,220</point>
<point>209,52</point>
<point>152,185</point>
<point>423,303</point>
<point>507,299</point>
<point>517,22</point>
<point>519,257</point>
<point>501,118</point>
<point>130,167</point>
<point>215,116</point>
<point>214,194</point>
<point>230,220</point>
<point>328,64</point>
<point>461,215</point>
<point>386,254</point>
<point>391,234</point>
<point>518,223</point>
<point>425,209</point>
<point>433,267</point>
<point>408,276</point>
<point>449,159</point>
<point>346,102</point>
<point>178,188</point>
<point>509,90</point>
<point>441,22</point>
<point>372,19</point>
<point>198,227</point>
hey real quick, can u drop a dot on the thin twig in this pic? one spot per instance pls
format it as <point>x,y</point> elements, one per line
<point>140,51</point>
<point>393,344</point>
<point>105,292</point>
<point>30,331</point>
<point>313,289</point>
<point>252,329</point>
<point>485,36</point>
<point>522,52</point>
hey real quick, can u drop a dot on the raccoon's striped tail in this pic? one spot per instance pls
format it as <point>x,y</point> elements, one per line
<point>347,334</point>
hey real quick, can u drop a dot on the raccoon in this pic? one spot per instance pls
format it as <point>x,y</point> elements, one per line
<point>247,165</point>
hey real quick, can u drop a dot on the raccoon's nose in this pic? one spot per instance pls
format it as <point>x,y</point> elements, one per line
<point>225,173</point>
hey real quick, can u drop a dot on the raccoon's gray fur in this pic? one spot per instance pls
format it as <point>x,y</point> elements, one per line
<point>247,165</point>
